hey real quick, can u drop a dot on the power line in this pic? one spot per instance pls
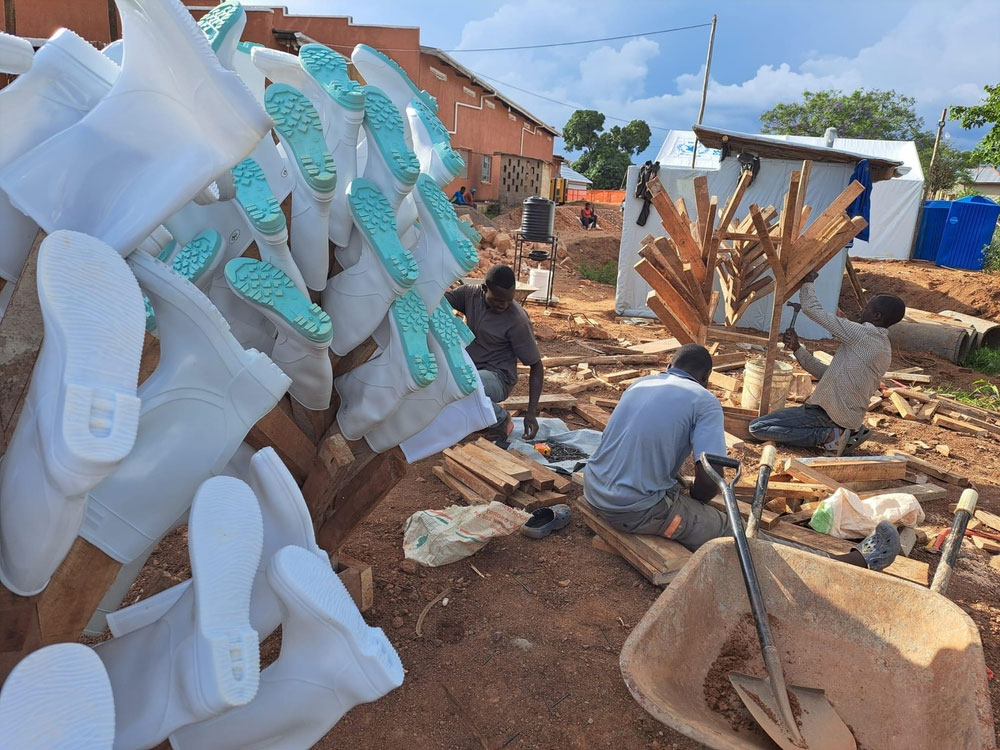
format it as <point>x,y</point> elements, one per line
<point>556,101</point>
<point>583,41</point>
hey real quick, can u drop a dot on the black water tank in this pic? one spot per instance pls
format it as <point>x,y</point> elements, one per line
<point>537,219</point>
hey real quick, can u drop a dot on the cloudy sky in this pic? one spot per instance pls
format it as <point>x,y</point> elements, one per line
<point>765,52</point>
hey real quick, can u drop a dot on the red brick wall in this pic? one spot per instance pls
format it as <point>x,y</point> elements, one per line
<point>42,18</point>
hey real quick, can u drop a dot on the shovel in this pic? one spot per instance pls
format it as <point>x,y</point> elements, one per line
<point>813,724</point>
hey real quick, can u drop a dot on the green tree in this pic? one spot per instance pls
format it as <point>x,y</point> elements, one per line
<point>987,112</point>
<point>875,114</point>
<point>950,167</point>
<point>606,155</point>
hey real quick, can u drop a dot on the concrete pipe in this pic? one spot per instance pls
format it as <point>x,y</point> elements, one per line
<point>988,330</point>
<point>951,342</point>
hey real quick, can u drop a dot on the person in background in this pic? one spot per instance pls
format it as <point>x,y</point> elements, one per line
<point>588,217</point>
<point>458,197</point>
<point>833,416</point>
<point>504,335</point>
<point>471,197</point>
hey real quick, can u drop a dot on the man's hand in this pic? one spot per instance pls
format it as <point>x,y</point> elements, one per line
<point>810,277</point>
<point>530,425</point>
<point>791,340</point>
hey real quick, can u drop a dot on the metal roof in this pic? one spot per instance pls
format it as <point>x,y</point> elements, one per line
<point>984,173</point>
<point>572,175</point>
<point>452,62</point>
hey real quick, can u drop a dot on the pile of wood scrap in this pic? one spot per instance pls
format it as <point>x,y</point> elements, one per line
<point>982,532</point>
<point>941,410</point>
<point>480,472</point>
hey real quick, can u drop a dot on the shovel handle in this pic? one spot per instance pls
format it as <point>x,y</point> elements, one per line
<point>949,554</point>
<point>767,459</point>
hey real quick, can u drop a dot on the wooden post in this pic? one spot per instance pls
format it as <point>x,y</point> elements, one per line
<point>704,87</point>
<point>773,332</point>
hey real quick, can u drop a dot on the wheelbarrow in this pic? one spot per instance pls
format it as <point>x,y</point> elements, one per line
<point>902,665</point>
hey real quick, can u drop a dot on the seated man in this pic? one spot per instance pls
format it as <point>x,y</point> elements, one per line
<point>503,335</point>
<point>833,415</point>
<point>458,197</point>
<point>588,217</point>
<point>631,480</point>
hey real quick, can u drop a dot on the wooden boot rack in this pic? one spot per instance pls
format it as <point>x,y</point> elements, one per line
<point>341,481</point>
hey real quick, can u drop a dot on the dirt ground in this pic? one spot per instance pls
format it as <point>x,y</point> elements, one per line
<point>525,654</point>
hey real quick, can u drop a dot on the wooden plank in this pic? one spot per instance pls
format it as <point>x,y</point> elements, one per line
<point>804,473</point>
<point>466,492</point>
<point>599,544</point>
<point>471,480</point>
<point>701,203</point>
<point>732,441</point>
<point>957,425</point>
<point>602,359</point>
<point>852,276</point>
<point>545,401</point>
<point>594,415</point>
<point>547,498</point>
<point>902,567</point>
<point>710,245</point>
<point>990,519</point>
<point>765,242</point>
<point>800,198</point>
<point>928,410</point>
<point>678,229</point>
<point>372,476</point>
<point>667,318</point>
<point>334,458</point>
<point>727,334</point>
<point>584,385</point>
<point>656,558</point>
<point>523,501</point>
<point>689,317</point>
<point>789,216</point>
<point>907,377</point>
<point>931,469</point>
<point>277,430</point>
<point>358,580</point>
<point>901,406</point>
<point>506,461</point>
<point>605,403</point>
<point>733,202</point>
<point>614,377</point>
<point>924,493</point>
<point>720,361</point>
<point>661,346</point>
<point>774,331</point>
<point>859,468</point>
<point>800,490</point>
<point>980,423</point>
<point>465,457</point>
<point>724,382</point>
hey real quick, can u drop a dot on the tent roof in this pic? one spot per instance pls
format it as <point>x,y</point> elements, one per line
<point>781,147</point>
<point>572,175</point>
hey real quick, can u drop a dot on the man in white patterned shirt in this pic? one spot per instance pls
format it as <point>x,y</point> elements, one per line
<point>833,416</point>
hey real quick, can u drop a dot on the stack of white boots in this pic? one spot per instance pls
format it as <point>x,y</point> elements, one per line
<point>432,144</point>
<point>302,348</point>
<point>197,406</point>
<point>386,74</point>
<point>172,121</point>
<point>358,298</point>
<point>373,391</point>
<point>16,54</point>
<point>57,698</point>
<point>81,413</point>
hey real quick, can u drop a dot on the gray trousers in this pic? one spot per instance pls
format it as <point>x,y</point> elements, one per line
<point>496,391</point>
<point>805,426</point>
<point>676,516</point>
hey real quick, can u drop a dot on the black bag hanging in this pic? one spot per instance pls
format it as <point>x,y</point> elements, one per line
<point>647,171</point>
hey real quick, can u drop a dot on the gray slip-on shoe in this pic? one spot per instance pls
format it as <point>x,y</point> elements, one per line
<point>546,520</point>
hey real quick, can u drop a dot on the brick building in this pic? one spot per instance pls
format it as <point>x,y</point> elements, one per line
<point>507,150</point>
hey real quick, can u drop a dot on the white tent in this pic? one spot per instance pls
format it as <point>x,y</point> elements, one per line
<point>831,173</point>
<point>895,203</point>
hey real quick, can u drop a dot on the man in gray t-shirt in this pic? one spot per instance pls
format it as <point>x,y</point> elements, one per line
<point>503,336</point>
<point>631,480</point>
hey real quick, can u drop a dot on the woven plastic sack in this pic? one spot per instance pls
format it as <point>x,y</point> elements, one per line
<point>846,516</point>
<point>439,537</point>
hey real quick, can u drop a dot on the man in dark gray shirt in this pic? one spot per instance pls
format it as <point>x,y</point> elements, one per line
<point>503,336</point>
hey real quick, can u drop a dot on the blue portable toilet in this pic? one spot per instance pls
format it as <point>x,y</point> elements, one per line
<point>969,226</point>
<point>932,222</point>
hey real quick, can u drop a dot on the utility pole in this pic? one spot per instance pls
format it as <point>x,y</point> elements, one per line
<point>704,87</point>
<point>937,142</point>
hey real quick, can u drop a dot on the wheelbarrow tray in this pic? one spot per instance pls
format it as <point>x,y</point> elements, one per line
<point>903,666</point>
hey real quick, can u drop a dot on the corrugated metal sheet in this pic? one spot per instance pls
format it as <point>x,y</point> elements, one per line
<point>573,176</point>
<point>969,227</point>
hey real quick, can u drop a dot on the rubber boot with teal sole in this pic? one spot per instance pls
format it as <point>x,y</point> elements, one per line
<point>391,165</point>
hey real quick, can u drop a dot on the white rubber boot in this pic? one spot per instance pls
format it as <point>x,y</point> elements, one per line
<point>456,379</point>
<point>358,298</point>
<point>81,414</point>
<point>391,165</point>
<point>302,349</point>
<point>371,392</point>
<point>455,422</point>
<point>297,124</point>
<point>264,214</point>
<point>57,698</point>
<point>385,73</point>
<point>199,258</point>
<point>197,406</point>
<point>406,219</point>
<point>68,77</point>
<point>247,71</point>
<point>116,594</point>
<point>173,120</point>
<point>223,26</point>
<point>249,326</point>
<point>330,661</point>
<point>321,74</point>
<point>286,521</point>
<point>432,144</point>
<point>157,242</point>
<point>16,54</point>
<point>442,252</point>
<point>198,661</point>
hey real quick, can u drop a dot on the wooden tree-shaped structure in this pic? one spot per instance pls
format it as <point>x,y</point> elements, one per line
<point>766,253</point>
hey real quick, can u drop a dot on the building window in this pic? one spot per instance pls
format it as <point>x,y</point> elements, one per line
<point>438,74</point>
<point>464,153</point>
<point>469,92</point>
<point>487,170</point>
